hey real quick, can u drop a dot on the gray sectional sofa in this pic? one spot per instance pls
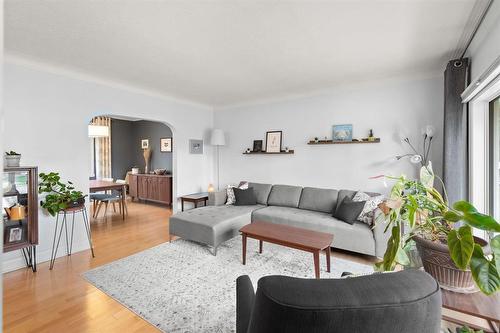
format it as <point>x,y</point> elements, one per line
<point>307,207</point>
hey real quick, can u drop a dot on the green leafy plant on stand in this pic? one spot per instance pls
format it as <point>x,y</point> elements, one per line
<point>58,195</point>
<point>429,216</point>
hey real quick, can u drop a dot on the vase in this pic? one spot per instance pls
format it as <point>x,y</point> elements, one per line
<point>12,160</point>
<point>427,175</point>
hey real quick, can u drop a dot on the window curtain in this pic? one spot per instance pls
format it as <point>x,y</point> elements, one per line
<point>455,157</point>
<point>103,149</point>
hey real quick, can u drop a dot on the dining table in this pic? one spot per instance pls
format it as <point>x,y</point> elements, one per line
<point>105,185</point>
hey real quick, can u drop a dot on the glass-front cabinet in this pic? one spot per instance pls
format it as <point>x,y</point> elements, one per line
<point>20,213</point>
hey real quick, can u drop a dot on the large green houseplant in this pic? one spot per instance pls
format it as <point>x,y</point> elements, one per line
<point>58,195</point>
<point>428,216</point>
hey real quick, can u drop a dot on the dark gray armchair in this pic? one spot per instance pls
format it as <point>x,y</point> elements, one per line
<point>407,301</point>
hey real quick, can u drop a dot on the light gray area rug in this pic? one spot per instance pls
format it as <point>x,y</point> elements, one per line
<point>182,287</point>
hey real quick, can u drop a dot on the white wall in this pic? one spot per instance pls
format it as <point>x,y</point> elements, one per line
<point>387,107</point>
<point>485,46</point>
<point>46,117</point>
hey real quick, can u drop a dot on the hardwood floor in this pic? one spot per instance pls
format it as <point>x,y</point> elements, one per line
<point>61,301</point>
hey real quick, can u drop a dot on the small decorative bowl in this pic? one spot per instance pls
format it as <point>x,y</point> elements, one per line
<point>160,171</point>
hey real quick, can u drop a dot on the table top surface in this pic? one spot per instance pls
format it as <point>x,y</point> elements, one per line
<point>288,235</point>
<point>99,185</point>
<point>195,196</point>
<point>476,304</point>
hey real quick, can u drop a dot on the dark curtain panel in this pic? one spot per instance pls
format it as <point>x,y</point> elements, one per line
<point>455,160</point>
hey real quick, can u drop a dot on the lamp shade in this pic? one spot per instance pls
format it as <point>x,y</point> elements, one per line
<point>217,138</point>
<point>98,131</point>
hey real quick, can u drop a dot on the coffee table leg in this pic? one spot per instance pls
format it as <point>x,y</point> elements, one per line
<point>316,264</point>
<point>244,239</point>
<point>328,253</point>
<point>260,246</point>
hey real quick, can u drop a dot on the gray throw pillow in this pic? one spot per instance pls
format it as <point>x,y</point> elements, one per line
<point>245,197</point>
<point>349,210</point>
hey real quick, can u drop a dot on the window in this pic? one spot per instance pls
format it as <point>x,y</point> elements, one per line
<point>92,171</point>
<point>494,167</point>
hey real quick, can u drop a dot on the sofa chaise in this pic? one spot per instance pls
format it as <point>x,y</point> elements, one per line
<point>309,208</point>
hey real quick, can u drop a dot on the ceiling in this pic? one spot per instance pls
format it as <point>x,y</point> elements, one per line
<point>230,52</point>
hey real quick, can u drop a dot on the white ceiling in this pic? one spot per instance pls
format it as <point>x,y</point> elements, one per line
<point>229,52</point>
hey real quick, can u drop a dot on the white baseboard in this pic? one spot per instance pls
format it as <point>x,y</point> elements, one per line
<point>42,256</point>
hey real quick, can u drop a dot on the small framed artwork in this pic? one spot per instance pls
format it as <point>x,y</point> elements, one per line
<point>257,145</point>
<point>166,145</point>
<point>195,146</point>
<point>14,234</point>
<point>145,143</point>
<point>273,141</point>
<point>342,132</point>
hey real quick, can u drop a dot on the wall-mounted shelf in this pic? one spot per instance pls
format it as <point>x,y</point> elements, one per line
<point>291,151</point>
<point>331,142</point>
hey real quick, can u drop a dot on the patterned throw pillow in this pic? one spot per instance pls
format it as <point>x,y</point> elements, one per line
<point>231,199</point>
<point>371,204</point>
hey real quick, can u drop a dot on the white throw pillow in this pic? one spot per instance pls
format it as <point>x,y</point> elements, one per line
<point>371,203</point>
<point>231,199</point>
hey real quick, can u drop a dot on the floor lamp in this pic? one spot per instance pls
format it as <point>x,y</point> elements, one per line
<point>218,139</point>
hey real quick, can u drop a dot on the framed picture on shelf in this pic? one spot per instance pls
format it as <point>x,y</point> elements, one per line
<point>166,145</point>
<point>342,132</point>
<point>13,233</point>
<point>145,143</point>
<point>195,146</point>
<point>257,145</point>
<point>273,141</point>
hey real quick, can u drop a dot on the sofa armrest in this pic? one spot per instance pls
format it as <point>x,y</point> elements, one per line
<point>381,237</point>
<point>245,296</point>
<point>217,198</point>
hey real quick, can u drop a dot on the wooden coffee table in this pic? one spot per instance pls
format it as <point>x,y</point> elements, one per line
<point>296,238</point>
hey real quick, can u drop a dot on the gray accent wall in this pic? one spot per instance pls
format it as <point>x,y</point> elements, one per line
<point>126,149</point>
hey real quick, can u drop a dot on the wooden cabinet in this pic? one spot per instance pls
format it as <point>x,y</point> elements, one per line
<point>157,188</point>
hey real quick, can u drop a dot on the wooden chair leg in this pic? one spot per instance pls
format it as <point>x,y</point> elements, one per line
<point>98,209</point>
<point>120,207</point>
<point>105,208</point>
<point>114,207</point>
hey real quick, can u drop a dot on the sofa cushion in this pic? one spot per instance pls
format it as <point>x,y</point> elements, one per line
<point>261,192</point>
<point>357,237</point>
<point>284,195</point>
<point>349,210</point>
<point>318,199</point>
<point>244,197</point>
<point>350,194</point>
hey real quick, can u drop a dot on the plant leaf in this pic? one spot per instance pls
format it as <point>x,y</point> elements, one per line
<point>393,245</point>
<point>452,216</point>
<point>475,219</point>
<point>484,272</point>
<point>495,248</point>
<point>464,207</point>
<point>461,246</point>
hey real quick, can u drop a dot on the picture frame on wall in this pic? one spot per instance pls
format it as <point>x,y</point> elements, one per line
<point>145,143</point>
<point>274,141</point>
<point>257,145</point>
<point>342,133</point>
<point>195,146</point>
<point>166,145</point>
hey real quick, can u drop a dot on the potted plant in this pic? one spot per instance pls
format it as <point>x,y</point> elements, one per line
<point>12,159</point>
<point>58,195</point>
<point>443,235</point>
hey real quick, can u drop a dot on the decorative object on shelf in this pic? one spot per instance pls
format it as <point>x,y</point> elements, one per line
<point>273,141</point>
<point>426,172</point>
<point>443,235</point>
<point>20,217</point>
<point>287,150</point>
<point>342,132</point>
<point>144,143</point>
<point>370,136</point>
<point>12,159</point>
<point>195,146</point>
<point>135,170</point>
<point>210,188</point>
<point>166,145</point>
<point>218,139</point>
<point>316,139</point>
<point>160,171</point>
<point>257,145</point>
<point>58,195</point>
<point>248,151</point>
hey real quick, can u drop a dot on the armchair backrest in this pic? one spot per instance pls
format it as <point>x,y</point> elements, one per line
<point>407,301</point>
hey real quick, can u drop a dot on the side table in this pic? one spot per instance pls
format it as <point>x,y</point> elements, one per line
<point>194,198</point>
